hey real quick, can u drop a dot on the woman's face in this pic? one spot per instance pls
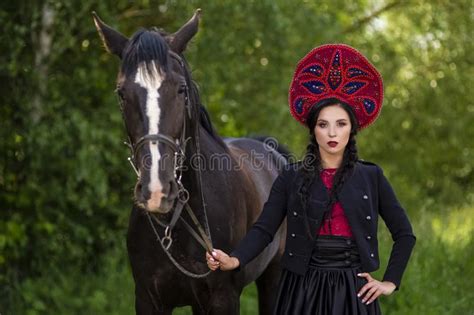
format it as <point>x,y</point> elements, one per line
<point>332,130</point>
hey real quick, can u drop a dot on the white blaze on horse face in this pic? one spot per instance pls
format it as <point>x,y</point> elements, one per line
<point>151,81</point>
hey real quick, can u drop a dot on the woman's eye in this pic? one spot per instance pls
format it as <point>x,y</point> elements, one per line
<point>321,125</point>
<point>342,124</point>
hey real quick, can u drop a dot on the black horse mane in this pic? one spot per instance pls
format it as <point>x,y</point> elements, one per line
<point>150,45</point>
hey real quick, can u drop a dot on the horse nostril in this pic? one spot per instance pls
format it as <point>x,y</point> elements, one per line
<point>166,189</point>
<point>140,193</point>
<point>170,190</point>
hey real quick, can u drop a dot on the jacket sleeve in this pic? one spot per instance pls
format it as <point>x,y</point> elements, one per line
<point>263,230</point>
<point>400,228</point>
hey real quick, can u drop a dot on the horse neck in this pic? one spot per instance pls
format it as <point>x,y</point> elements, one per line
<point>193,175</point>
<point>202,145</point>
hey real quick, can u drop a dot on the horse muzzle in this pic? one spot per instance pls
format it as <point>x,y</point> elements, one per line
<point>159,201</point>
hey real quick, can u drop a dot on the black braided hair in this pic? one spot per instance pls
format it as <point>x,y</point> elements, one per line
<point>311,164</point>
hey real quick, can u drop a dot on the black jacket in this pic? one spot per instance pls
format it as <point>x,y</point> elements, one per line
<point>365,194</point>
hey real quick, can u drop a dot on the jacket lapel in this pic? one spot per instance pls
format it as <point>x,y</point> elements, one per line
<point>349,191</point>
<point>318,200</point>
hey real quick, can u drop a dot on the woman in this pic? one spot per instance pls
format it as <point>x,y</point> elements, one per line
<point>331,199</point>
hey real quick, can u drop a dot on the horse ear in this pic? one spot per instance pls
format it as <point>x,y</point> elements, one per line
<point>180,39</point>
<point>114,41</point>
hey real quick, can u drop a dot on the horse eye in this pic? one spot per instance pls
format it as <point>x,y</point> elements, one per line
<point>121,94</point>
<point>182,89</point>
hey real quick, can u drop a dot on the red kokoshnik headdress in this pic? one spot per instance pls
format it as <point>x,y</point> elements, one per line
<point>336,71</point>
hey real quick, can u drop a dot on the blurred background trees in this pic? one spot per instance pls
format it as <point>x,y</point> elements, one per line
<point>66,187</point>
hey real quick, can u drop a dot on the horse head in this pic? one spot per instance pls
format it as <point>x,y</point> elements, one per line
<point>153,87</point>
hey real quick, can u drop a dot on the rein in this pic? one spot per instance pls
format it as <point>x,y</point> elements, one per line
<point>179,148</point>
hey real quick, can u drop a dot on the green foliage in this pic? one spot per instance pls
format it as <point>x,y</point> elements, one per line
<point>67,291</point>
<point>66,188</point>
<point>434,280</point>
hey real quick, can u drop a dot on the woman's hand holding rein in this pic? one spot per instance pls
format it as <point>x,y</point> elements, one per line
<point>220,260</point>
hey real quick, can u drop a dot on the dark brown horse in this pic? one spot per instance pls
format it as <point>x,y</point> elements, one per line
<point>182,163</point>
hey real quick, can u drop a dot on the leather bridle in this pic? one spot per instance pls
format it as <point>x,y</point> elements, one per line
<point>178,146</point>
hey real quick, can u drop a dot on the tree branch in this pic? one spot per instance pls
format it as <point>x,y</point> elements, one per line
<point>362,21</point>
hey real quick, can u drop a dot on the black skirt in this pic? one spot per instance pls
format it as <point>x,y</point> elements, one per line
<point>330,285</point>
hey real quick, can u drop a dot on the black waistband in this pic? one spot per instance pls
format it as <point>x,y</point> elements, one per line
<point>334,252</point>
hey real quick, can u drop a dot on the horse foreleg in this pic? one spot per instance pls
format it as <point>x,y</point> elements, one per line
<point>147,304</point>
<point>219,303</point>
<point>143,307</point>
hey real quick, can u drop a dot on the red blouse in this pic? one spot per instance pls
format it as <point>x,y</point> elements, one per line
<point>339,223</point>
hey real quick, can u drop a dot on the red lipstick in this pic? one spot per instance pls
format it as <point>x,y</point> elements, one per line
<point>332,144</point>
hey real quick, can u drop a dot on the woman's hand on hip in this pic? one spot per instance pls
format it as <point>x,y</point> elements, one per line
<point>221,260</point>
<point>374,288</point>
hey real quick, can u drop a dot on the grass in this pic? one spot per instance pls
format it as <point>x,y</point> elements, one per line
<point>438,279</point>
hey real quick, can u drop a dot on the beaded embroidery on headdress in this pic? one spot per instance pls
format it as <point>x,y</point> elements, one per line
<point>336,71</point>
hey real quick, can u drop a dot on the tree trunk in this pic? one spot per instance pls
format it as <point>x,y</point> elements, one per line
<point>42,51</point>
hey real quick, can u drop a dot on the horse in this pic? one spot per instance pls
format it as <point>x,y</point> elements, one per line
<point>188,178</point>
